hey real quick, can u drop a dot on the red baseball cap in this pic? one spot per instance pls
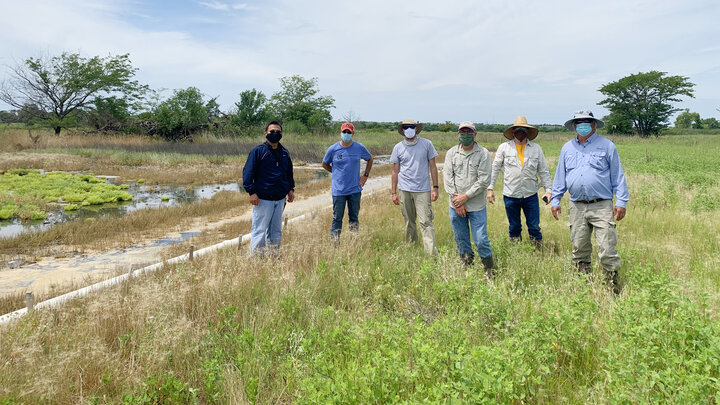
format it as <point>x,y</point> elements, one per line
<point>347,125</point>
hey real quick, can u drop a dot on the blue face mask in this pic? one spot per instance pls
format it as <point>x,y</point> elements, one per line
<point>584,129</point>
<point>345,137</point>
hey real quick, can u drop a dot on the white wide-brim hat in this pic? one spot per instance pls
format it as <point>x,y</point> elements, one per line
<point>583,115</point>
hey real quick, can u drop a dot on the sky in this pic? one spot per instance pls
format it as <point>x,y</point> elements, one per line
<point>383,60</point>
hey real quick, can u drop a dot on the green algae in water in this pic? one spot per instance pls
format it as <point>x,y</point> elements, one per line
<point>25,194</point>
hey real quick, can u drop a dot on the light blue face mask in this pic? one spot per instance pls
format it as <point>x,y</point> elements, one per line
<point>345,137</point>
<point>583,129</point>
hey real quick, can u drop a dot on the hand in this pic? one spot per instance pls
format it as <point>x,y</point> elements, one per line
<point>395,199</point>
<point>556,211</point>
<point>619,213</point>
<point>547,196</point>
<point>434,194</point>
<point>461,211</point>
<point>459,199</point>
<point>291,196</point>
<point>254,199</point>
<point>363,180</point>
<point>491,196</point>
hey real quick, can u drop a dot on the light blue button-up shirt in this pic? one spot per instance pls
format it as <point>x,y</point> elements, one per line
<point>590,171</point>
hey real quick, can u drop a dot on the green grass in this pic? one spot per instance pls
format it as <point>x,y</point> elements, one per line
<point>378,321</point>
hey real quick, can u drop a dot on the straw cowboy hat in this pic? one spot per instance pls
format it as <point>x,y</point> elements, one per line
<point>522,123</point>
<point>580,115</point>
<point>409,121</point>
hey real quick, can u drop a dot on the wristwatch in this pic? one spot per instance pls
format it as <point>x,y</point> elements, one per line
<point>436,187</point>
<point>366,174</point>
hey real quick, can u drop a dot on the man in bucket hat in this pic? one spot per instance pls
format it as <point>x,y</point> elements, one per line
<point>467,175</point>
<point>589,168</point>
<point>521,162</point>
<point>414,167</point>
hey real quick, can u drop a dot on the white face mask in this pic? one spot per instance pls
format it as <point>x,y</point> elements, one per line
<point>409,132</point>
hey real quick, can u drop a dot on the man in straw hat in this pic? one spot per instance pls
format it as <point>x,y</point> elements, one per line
<point>414,166</point>
<point>522,162</point>
<point>467,175</point>
<point>589,168</point>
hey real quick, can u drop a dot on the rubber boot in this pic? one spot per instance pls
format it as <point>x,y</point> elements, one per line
<point>537,243</point>
<point>516,239</point>
<point>611,281</point>
<point>467,259</point>
<point>584,268</point>
<point>489,265</point>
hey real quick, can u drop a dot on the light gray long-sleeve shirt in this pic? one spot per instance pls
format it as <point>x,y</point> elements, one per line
<point>468,173</point>
<point>520,180</point>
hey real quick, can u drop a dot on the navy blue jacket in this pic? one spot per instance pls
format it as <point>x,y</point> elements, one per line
<point>264,175</point>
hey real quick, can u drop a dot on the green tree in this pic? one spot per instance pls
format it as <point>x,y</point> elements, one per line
<point>184,113</point>
<point>616,124</point>
<point>298,101</point>
<point>686,119</point>
<point>63,85</point>
<point>711,123</point>
<point>251,109</point>
<point>644,99</point>
<point>110,114</point>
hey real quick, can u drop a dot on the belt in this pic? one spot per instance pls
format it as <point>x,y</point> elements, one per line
<point>590,201</point>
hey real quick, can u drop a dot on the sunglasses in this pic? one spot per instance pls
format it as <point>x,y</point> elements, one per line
<point>275,133</point>
<point>583,121</point>
<point>347,132</point>
<point>408,126</point>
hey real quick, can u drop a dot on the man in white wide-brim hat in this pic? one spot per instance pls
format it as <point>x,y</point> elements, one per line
<point>414,167</point>
<point>589,169</point>
<point>522,162</point>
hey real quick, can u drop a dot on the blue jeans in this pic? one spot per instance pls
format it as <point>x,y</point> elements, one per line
<point>531,207</point>
<point>353,206</point>
<point>476,223</point>
<point>266,226</point>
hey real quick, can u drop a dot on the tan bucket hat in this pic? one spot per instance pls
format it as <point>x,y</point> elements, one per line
<point>410,121</point>
<point>521,121</point>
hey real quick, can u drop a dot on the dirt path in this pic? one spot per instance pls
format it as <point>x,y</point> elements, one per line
<point>87,268</point>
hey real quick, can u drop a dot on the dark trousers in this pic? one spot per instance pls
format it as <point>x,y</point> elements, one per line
<point>531,207</point>
<point>353,207</point>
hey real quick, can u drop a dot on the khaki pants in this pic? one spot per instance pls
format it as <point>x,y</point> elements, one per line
<point>418,205</point>
<point>598,216</point>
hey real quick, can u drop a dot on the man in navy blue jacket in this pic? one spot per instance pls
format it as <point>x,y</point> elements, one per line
<point>268,179</point>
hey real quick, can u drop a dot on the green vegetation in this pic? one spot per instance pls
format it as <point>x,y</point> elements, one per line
<point>377,321</point>
<point>23,192</point>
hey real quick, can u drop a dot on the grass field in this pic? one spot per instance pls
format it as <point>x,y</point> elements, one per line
<point>378,321</point>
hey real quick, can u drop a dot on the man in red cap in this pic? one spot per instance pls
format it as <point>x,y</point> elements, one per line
<point>342,160</point>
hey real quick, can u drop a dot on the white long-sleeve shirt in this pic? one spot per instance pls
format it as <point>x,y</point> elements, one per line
<point>520,180</point>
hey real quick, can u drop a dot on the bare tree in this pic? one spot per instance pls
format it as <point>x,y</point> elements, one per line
<point>351,116</point>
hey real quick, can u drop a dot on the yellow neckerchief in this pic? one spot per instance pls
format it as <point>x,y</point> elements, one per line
<point>521,152</point>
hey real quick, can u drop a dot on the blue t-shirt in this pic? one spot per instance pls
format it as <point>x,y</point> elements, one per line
<point>345,164</point>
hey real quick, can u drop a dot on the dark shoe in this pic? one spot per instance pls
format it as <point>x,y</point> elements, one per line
<point>584,268</point>
<point>489,265</point>
<point>467,259</point>
<point>516,239</point>
<point>537,243</point>
<point>611,280</point>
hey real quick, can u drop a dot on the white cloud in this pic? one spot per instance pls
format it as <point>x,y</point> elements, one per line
<point>442,60</point>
